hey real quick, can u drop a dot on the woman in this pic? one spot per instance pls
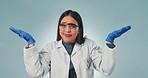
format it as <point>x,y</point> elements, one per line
<point>71,55</point>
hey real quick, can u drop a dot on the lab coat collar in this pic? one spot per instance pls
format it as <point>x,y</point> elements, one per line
<point>62,48</point>
<point>59,44</point>
<point>76,48</point>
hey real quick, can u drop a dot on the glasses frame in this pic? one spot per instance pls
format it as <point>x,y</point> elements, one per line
<point>72,26</point>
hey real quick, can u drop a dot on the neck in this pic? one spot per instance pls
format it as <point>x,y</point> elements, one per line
<point>68,42</point>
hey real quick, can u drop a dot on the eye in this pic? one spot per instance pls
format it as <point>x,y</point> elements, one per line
<point>64,25</point>
<point>73,25</point>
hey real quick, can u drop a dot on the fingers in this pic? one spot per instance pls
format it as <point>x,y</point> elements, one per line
<point>124,29</point>
<point>21,33</point>
<point>128,27</point>
<point>15,30</point>
<point>117,33</point>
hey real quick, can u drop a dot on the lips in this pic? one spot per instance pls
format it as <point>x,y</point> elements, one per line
<point>67,35</point>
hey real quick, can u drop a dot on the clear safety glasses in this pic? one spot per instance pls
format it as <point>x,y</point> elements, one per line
<point>72,26</point>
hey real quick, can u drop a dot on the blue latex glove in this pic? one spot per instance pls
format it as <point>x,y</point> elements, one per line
<point>117,33</point>
<point>23,35</point>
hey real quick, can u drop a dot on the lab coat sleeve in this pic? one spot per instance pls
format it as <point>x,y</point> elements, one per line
<point>103,60</point>
<point>37,63</point>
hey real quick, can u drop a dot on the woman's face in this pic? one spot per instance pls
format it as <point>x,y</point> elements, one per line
<point>69,29</point>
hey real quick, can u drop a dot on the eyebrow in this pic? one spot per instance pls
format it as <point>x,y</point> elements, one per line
<point>69,23</point>
<point>63,22</point>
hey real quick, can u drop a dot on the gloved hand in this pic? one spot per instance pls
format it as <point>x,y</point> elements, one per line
<point>117,33</point>
<point>24,35</point>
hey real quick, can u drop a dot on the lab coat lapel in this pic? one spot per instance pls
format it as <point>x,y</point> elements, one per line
<point>61,47</point>
<point>76,49</point>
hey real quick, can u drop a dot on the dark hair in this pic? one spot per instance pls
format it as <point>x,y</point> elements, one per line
<point>79,39</point>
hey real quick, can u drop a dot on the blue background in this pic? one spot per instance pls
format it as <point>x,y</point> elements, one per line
<point>100,17</point>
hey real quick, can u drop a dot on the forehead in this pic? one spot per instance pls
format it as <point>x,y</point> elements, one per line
<point>69,19</point>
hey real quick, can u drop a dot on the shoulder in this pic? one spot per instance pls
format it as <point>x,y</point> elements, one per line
<point>89,41</point>
<point>51,44</point>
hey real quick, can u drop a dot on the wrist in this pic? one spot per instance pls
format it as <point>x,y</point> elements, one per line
<point>29,45</point>
<point>110,45</point>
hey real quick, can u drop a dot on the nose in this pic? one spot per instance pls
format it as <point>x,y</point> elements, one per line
<point>67,29</point>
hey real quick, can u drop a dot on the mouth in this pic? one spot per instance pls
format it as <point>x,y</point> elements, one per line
<point>67,35</point>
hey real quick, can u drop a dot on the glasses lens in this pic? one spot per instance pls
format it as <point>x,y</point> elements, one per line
<point>72,25</point>
<point>63,24</point>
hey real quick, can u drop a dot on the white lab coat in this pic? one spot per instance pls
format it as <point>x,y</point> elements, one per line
<point>53,58</point>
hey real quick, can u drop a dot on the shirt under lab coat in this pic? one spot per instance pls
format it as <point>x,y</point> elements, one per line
<point>53,58</point>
